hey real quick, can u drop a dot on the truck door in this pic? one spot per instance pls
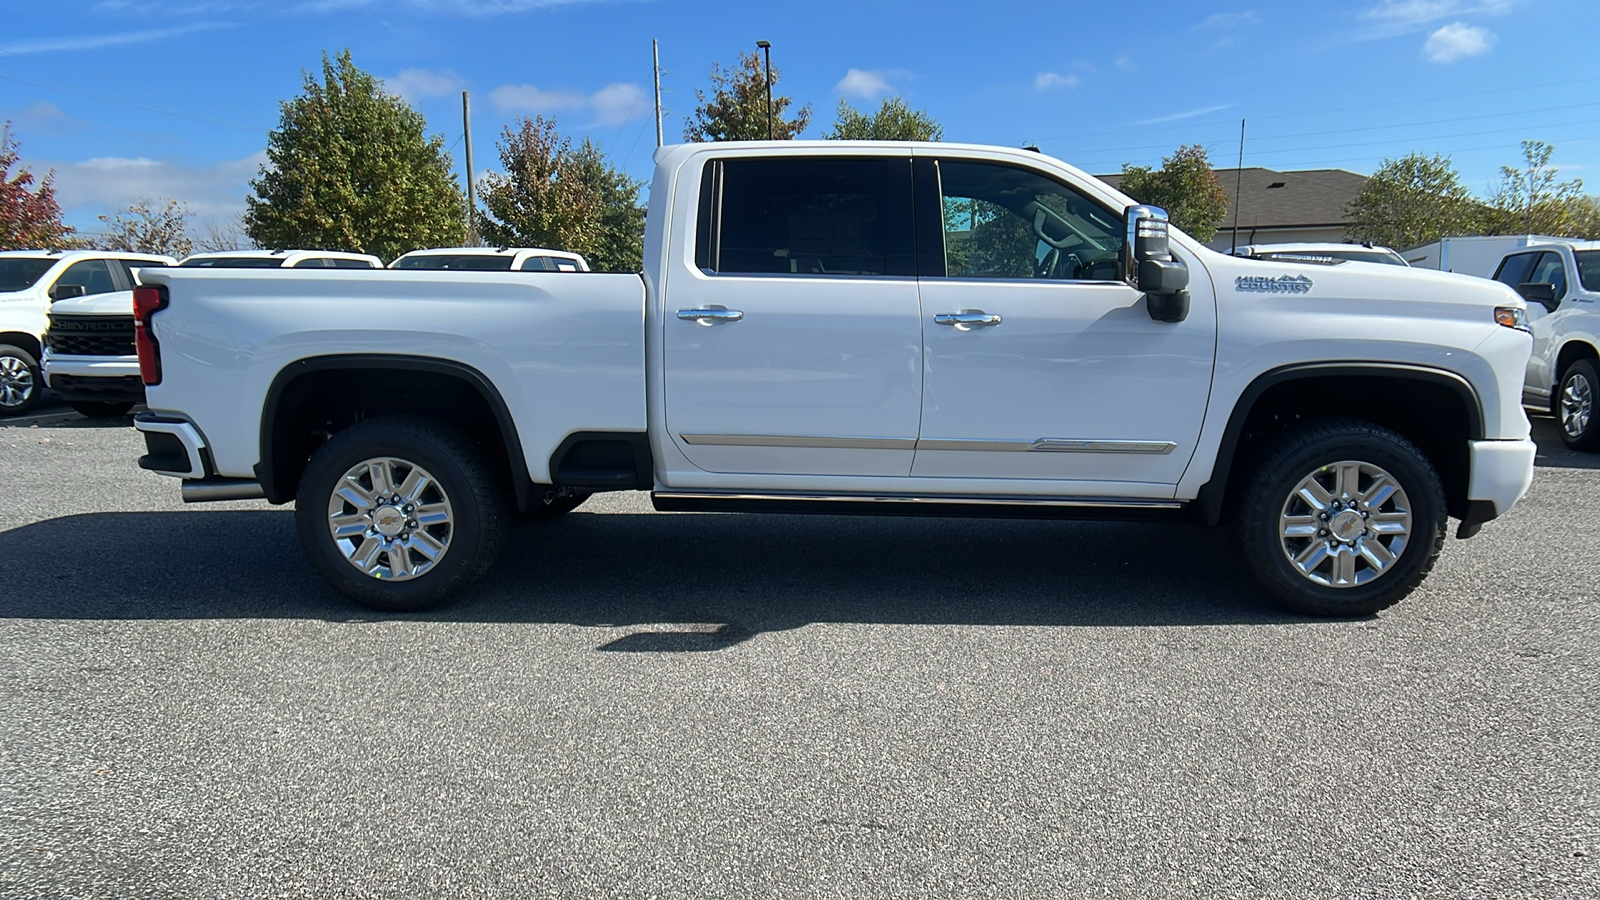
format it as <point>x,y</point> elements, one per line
<point>1040,362</point>
<point>793,335</point>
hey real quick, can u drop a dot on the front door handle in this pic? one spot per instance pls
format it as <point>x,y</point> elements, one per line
<point>967,320</point>
<point>710,316</point>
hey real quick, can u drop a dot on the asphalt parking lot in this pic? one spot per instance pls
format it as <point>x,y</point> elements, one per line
<point>639,704</point>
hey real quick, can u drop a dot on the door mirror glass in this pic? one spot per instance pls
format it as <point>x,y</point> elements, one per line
<point>67,291</point>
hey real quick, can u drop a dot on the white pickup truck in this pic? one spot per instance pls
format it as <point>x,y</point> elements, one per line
<point>839,327</point>
<point>1561,281</point>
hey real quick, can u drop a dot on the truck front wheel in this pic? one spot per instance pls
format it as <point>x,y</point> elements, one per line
<point>21,382</point>
<point>1574,405</point>
<point>400,513</point>
<point>1342,518</point>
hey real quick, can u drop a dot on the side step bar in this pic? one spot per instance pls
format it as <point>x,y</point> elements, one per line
<point>958,507</point>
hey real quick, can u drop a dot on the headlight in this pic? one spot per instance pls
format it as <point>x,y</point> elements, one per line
<point>1512,317</point>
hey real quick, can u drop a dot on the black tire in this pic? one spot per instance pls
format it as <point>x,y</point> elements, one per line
<point>477,508</point>
<point>1311,451</point>
<point>99,410</point>
<point>21,381</point>
<point>548,506</point>
<point>1575,406</point>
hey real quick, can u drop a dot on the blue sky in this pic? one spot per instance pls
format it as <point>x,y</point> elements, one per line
<point>127,98</point>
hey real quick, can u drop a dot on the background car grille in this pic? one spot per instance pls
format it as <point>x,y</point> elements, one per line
<point>90,335</point>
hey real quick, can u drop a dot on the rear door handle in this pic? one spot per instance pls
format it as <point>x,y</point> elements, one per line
<point>967,319</point>
<point>710,316</point>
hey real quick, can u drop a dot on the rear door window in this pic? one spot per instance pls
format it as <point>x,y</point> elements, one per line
<point>827,216</point>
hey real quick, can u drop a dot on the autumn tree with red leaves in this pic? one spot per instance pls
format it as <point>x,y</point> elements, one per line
<point>29,219</point>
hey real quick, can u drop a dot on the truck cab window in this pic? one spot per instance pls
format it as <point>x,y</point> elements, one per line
<point>93,274</point>
<point>1514,269</point>
<point>808,217</point>
<point>1006,222</point>
<point>1551,270</point>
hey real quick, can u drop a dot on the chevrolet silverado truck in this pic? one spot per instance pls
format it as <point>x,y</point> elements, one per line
<point>863,328</point>
<point>1561,282</point>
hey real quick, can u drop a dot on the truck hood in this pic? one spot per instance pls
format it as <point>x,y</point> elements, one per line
<point>116,303</point>
<point>1356,281</point>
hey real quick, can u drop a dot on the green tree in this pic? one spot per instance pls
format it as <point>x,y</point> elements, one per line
<point>895,120</point>
<point>737,108</point>
<point>350,168</point>
<point>149,226</point>
<point>1529,200</point>
<point>555,195</point>
<point>1411,201</point>
<point>30,217</point>
<point>1185,186</point>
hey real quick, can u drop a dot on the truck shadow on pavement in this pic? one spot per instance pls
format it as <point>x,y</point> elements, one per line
<point>1553,453</point>
<point>697,581</point>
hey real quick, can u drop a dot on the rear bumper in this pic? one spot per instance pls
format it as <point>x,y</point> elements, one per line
<point>1499,475</point>
<point>173,446</point>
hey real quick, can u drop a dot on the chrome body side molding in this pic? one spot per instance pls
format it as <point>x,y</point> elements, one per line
<point>1042,445</point>
<point>907,505</point>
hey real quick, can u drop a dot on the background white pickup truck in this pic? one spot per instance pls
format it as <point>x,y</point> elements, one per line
<point>30,282</point>
<point>884,328</point>
<point>1561,281</point>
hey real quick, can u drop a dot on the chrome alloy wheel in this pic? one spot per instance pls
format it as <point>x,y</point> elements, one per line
<point>16,382</point>
<point>1577,405</point>
<point>1345,524</point>
<point>390,519</point>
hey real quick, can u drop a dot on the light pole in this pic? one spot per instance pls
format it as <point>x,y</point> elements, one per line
<point>766,48</point>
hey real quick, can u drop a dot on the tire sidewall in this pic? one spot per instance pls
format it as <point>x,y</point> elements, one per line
<point>38,380</point>
<point>1279,475</point>
<point>417,443</point>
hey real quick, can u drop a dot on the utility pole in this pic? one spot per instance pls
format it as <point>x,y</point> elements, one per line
<point>472,191</point>
<point>766,48</point>
<point>655,53</point>
<point>1238,187</point>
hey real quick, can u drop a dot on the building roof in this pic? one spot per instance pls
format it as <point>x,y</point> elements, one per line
<point>1273,199</point>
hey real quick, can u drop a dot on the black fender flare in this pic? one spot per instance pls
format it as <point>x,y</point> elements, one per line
<point>522,482</point>
<point>1209,501</point>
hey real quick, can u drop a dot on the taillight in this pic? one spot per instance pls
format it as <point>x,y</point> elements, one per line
<point>146,300</point>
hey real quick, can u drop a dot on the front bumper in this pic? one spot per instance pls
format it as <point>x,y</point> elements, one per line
<point>1499,473</point>
<point>107,379</point>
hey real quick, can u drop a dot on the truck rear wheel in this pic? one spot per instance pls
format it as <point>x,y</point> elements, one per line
<point>400,513</point>
<point>1342,518</point>
<point>21,382</point>
<point>1574,405</point>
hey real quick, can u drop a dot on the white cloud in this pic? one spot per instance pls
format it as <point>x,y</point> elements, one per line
<point>869,83</point>
<point>1047,80</point>
<point>611,105</point>
<point>1226,21</point>
<point>1175,117</point>
<point>617,103</point>
<point>108,184</point>
<point>1396,17</point>
<point>415,84</point>
<point>96,41</point>
<point>1126,63</point>
<point>1457,41</point>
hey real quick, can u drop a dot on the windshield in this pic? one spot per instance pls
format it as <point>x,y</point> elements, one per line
<point>235,262</point>
<point>20,273</point>
<point>1589,269</point>
<point>478,261</point>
